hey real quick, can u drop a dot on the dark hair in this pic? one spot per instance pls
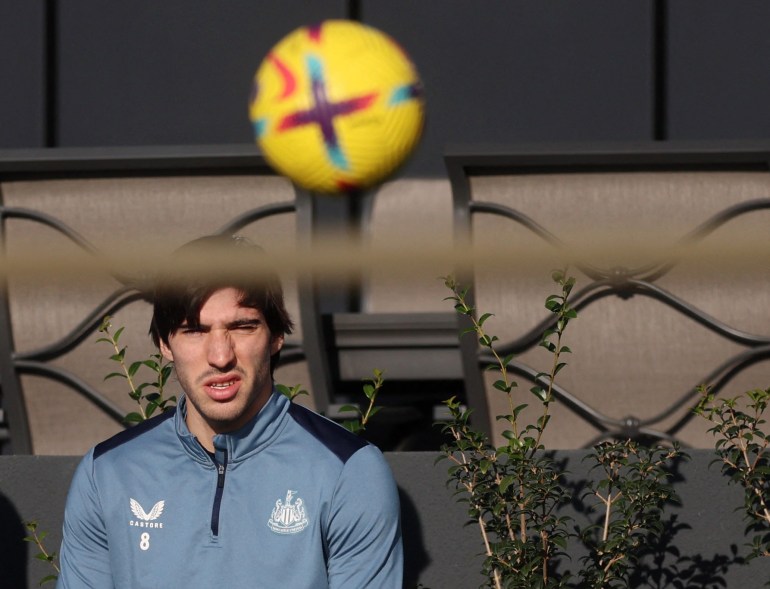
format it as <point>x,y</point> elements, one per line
<point>199,268</point>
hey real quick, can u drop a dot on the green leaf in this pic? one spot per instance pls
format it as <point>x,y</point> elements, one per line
<point>550,346</point>
<point>114,375</point>
<point>540,393</point>
<point>484,317</point>
<point>506,482</point>
<point>560,541</point>
<point>352,426</point>
<point>150,409</point>
<point>349,408</point>
<point>501,385</point>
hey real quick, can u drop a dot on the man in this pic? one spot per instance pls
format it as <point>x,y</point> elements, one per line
<point>235,487</point>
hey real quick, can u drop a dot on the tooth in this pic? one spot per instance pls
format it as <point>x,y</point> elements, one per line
<point>222,385</point>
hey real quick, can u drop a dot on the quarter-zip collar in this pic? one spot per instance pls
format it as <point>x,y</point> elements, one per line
<point>259,432</point>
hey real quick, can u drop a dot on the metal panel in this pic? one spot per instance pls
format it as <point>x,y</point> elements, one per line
<point>718,59</point>
<point>525,71</point>
<point>22,71</point>
<point>173,72</point>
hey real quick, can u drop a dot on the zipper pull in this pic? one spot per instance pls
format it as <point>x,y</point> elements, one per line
<point>220,476</point>
<point>221,468</point>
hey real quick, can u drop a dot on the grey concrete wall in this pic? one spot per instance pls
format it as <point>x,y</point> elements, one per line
<point>442,552</point>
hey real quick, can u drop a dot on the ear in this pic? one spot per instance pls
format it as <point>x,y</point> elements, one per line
<point>276,343</point>
<point>166,351</point>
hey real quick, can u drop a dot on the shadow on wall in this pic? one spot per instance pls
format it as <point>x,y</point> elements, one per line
<point>415,556</point>
<point>13,549</point>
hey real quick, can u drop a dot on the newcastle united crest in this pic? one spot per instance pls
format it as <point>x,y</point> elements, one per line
<point>288,517</point>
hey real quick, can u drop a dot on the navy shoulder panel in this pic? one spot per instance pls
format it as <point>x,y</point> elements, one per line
<point>132,432</point>
<point>337,439</point>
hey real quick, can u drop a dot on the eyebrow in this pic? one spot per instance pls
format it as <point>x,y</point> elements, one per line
<point>246,322</point>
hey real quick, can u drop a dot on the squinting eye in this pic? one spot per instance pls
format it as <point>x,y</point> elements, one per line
<point>245,328</point>
<point>191,330</point>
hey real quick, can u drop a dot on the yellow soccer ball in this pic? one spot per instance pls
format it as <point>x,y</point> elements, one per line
<point>337,107</point>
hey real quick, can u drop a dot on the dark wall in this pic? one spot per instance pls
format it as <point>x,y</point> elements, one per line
<point>525,71</point>
<point>172,72</point>
<point>22,73</point>
<point>32,488</point>
<point>106,73</point>
<point>719,69</point>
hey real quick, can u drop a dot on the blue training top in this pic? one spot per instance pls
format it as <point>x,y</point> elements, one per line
<point>290,500</point>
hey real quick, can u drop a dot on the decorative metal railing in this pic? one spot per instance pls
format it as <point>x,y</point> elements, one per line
<point>627,282</point>
<point>15,435</point>
<point>603,282</point>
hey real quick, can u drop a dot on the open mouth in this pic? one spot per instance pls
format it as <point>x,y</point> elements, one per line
<point>222,385</point>
<point>222,390</point>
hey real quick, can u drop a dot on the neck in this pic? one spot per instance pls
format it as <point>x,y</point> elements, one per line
<point>205,429</point>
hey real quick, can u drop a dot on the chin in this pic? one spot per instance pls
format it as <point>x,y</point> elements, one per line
<point>227,419</point>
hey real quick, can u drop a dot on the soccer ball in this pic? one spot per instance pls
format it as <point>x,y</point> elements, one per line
<point>337,107</point>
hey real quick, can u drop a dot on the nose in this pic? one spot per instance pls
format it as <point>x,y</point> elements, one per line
<point>220,350</point>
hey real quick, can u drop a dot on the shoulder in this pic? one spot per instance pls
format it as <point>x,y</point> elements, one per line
<point>134,434</point>
<point>332,436</point>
